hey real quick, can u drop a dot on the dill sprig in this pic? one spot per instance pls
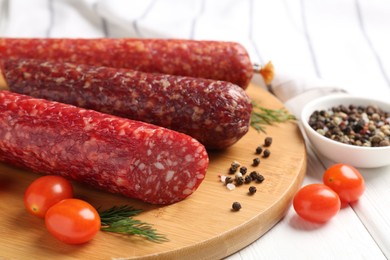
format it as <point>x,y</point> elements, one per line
<point>130,226</point>
<point>117,213</point>
<point>264,116</point>
<point>118,219</point>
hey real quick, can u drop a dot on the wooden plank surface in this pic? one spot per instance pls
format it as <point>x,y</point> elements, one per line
<point>202,226</point>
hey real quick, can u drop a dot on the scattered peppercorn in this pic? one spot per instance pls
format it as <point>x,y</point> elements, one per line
<point>235,164</point>
<point>266,153</point>
<point>239,171</point>
<point>252,190</point>
<point>259,150</point>
<point>230,186</point>
<point>248,179</point>
<point>367,126</point>
<point>256,162</point>
<point>267,141</point>
<point>259,178</point>
<point>228,180</point>
<point>239,181</point>
<point>243,170</point>
<point>253,175</point>
<point>236,206</point>
<point>233,167</point>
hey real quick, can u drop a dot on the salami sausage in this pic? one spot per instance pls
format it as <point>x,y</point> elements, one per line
<point>227,61</point>
<point>216,113</point>
<point>118,155</point>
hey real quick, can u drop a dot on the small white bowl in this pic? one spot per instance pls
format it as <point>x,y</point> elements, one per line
<point>358,156</point>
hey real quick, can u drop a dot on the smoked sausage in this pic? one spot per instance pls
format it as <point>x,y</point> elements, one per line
<point>118,155</point>
<point>216,113</point>
<point>226,61</point>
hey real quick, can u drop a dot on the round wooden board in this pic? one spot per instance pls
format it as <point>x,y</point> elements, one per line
<point>201,227</point>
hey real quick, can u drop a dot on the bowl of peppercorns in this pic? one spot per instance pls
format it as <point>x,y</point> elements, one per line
<point>349,129</point>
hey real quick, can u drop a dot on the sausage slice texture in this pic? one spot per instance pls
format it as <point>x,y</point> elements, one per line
<point>216,113</point>
<point>227,61</point>
<point>118,155</point>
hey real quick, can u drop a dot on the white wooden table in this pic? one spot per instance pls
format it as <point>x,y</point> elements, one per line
<point>345,42</point>
<point>359,231</point>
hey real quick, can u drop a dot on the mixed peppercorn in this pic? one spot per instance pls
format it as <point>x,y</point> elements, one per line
<point>367,126</point>
<point>236,206</point>
<point>241,175</point>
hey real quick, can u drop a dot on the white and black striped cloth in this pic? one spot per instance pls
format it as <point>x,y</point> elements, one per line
<point>341,41</point>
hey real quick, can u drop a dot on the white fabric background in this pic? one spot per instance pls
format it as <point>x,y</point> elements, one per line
<point>343,42</point>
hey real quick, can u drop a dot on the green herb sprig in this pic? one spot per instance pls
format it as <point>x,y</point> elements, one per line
<point>264,116</point>
<point>118,219</point>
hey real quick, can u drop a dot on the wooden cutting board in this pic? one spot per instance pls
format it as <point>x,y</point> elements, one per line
<point>201,227</point>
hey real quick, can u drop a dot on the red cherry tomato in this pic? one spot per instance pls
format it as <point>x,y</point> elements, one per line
<point>316,203</point>
<point>346,181</point>
<point>44,192</point>
<point>73,221</point>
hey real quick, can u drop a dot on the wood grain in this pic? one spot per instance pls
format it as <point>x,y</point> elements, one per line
<point>201,227</point>
<point>3,82</point>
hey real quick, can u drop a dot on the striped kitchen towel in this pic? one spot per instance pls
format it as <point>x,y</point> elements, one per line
<point>343,41</point>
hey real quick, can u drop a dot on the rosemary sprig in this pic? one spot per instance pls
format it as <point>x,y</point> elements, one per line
<point>264,116</point>
<point>118,219</point>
